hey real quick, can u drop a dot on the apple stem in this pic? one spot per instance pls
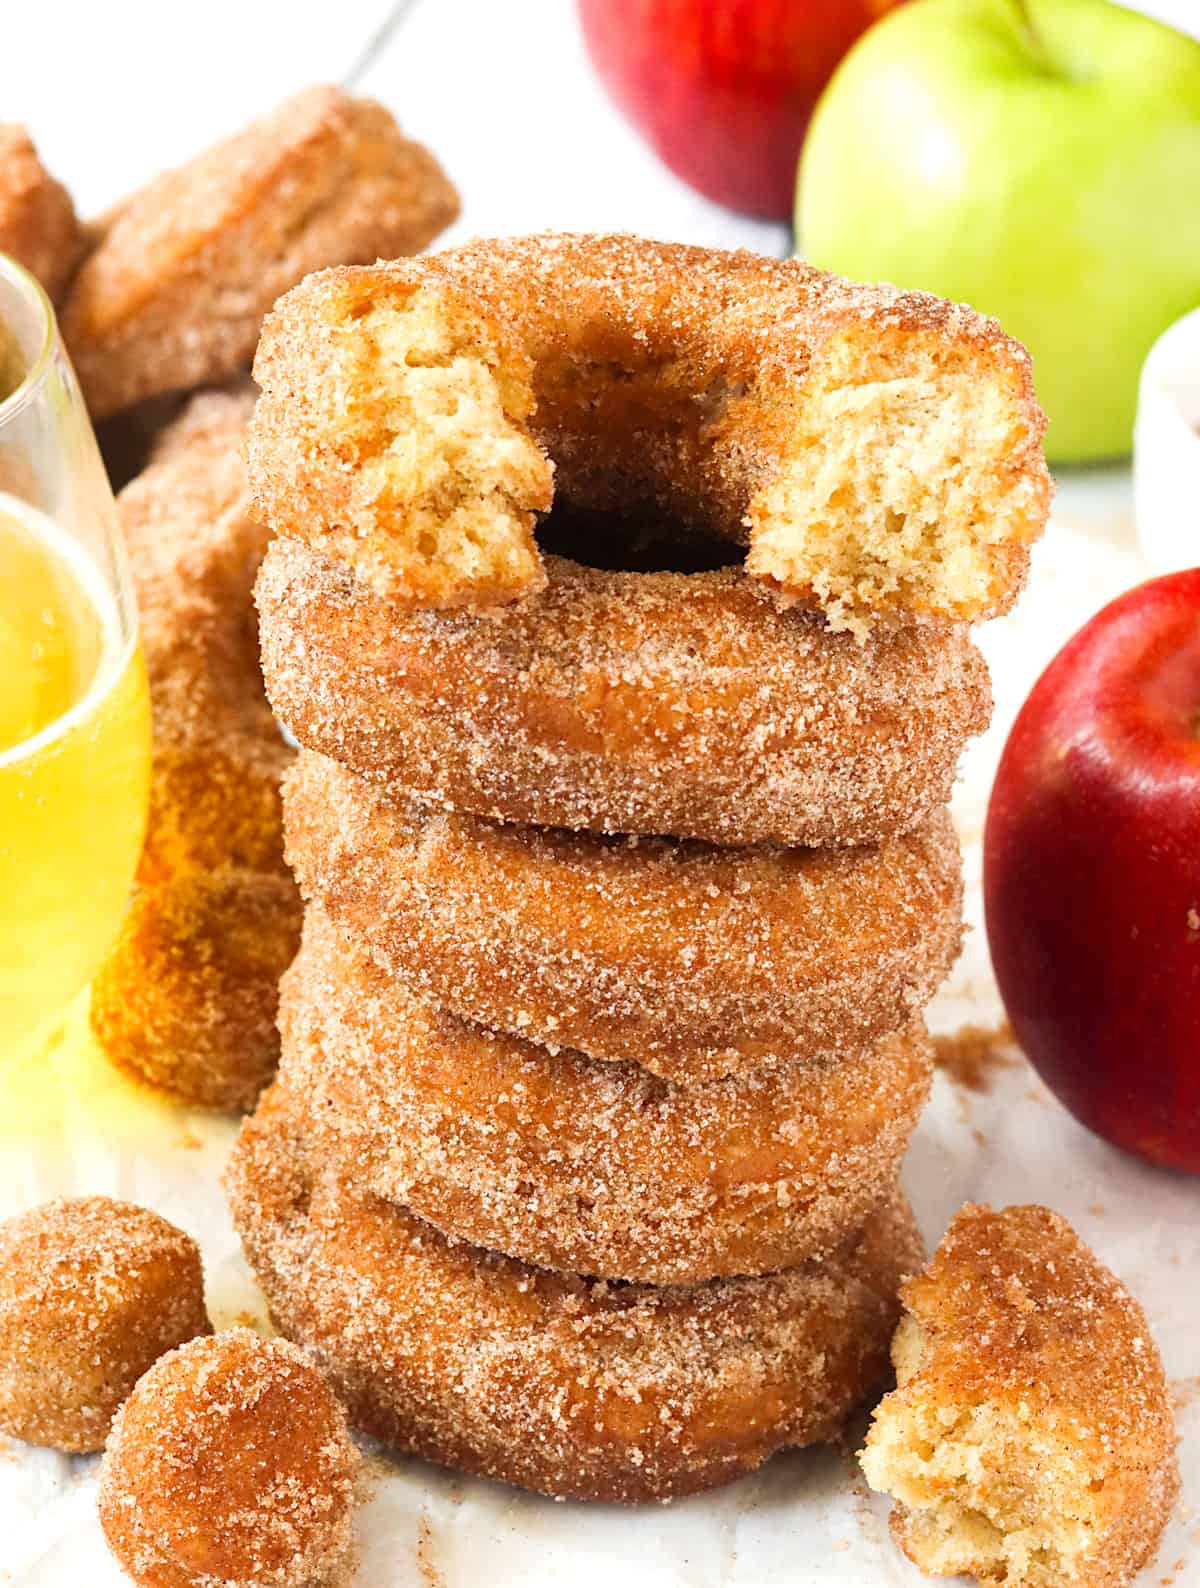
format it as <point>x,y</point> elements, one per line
<point>1033,38</point>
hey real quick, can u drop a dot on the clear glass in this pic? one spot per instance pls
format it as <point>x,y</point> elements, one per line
<point>74,710</point>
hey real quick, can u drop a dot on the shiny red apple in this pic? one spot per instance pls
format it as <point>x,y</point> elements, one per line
<point>1092,873</point>
<point>723,89</point>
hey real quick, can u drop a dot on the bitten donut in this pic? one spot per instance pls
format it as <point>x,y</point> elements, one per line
<point>1030,1440</point>
<point>230,1466</point>
<point>569,1386</point>
<point>173,293</point>
<point>692,961</point>
<point>186,999</point>
<point>92,1291</point>
<point>38,224</point>
<point>878,450</point>
<point>619,701</point>
<point>585,1167</point>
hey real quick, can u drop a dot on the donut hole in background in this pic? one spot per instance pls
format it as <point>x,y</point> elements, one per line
<point>616,542</point>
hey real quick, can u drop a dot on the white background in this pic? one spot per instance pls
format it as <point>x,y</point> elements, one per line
<point>501,90</point>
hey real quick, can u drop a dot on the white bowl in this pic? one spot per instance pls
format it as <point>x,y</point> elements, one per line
<point>1166,449</point>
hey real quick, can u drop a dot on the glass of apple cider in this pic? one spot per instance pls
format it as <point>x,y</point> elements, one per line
<point>74,711</point>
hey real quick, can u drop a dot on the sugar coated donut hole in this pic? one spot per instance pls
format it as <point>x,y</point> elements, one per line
<point>92,1292</point>
<point>230,1464</point>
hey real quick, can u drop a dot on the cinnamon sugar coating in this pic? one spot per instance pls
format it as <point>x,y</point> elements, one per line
<point>878,450</point>
<point>174,291</point>
<point>230,1466</point>
<point>186,998</point>
<point>685,704</point>
<point>568,1386</point>
<point>1031,1439</point>
<point>692,961</point>
<point>186,1001</point>
<point>38,224</point>
<point>92,1291</point>
<point>580,1166</point>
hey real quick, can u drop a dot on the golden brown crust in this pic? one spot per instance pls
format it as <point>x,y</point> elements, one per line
<point>584,1167</point>
<point>692,961</point>
<point>567,1386</point>
<point>880,450</point>
<point>1021,1345</point>
<point>673,703</point>
<point>186,999</point>
<point>38,224</point>
<point>92,1291</point>
<point>173,294</point>
<point>230,1465</point>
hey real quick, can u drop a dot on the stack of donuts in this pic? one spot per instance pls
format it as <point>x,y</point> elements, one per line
<point>619,603</point>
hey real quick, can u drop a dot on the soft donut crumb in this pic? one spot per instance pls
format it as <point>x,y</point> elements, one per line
<point>881,507</point>
<point>1030,1438</point>
<point>448,479</point>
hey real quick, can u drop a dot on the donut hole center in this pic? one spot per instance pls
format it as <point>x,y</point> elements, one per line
<point>619,542</point>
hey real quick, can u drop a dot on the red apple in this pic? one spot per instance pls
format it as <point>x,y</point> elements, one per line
<point>1092,873</point>
<point>723,89</point>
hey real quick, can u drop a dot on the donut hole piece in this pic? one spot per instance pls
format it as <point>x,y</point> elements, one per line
<point>230,1463</point>
<point>1009,1456</point>
<point>92,1291</point>
<point>877,452</point>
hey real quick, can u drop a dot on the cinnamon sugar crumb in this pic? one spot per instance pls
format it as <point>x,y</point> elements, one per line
<point>971,1055</point>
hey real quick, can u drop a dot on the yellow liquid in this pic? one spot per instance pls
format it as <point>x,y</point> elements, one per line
<point>74,773</point>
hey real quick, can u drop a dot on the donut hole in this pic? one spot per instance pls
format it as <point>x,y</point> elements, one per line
<point>617,542</point>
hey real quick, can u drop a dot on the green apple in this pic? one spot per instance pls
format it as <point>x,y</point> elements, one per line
<point>1038,159</point>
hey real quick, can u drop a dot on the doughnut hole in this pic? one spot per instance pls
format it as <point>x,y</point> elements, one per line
<point>230,1463</point>
<point>899,490</point>
<point>92,1291</point>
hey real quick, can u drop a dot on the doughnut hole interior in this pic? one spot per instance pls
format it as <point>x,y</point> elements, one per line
<point>987,1489</point>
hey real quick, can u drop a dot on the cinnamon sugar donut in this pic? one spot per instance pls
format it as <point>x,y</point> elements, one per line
<point>568,1386</point>
<point>173,293</point>
<point>692,961</point>
<point>1030,1440</point>
<point>186,997</point>
<point>879,450</point>
<point>685,704</point>
<point>586,1167</point>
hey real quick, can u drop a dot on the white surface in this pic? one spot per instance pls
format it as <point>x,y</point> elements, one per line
<point>500,88</point>
<point>1166,449</point>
